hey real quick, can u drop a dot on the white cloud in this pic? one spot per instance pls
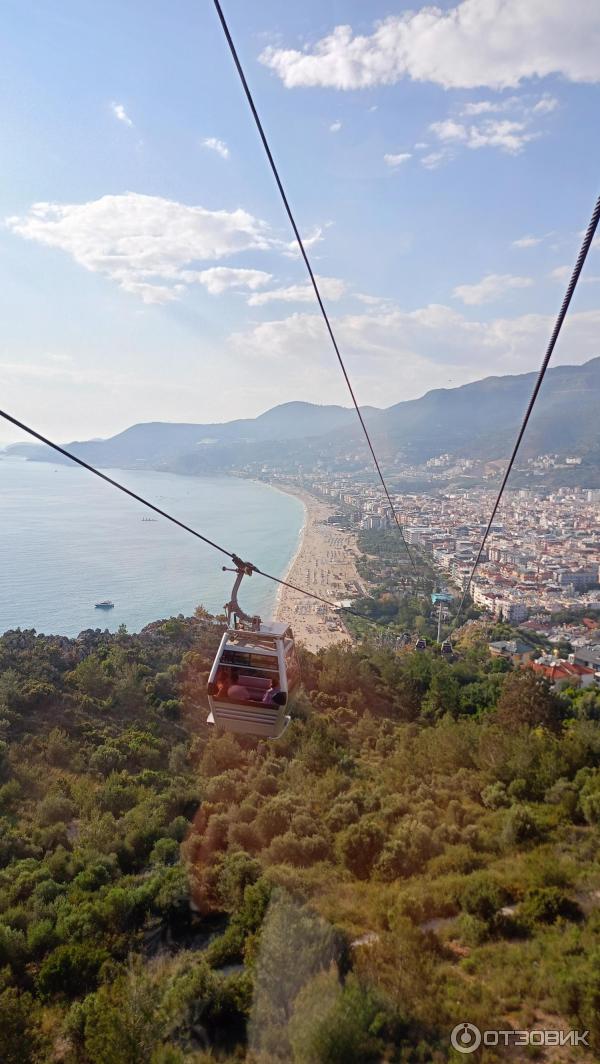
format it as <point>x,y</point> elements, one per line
<point>507,135</point>
<point>119,112</point>
<point>561,273</point>
<point>335,127</point>
<point>291,249</point>
<point>331,288</point>
<point>527,241</point>
<point>372,301</point>
<point>491,287</point>
<point>481,107</point>
<point>493,43</point>
<point>416,350</point>
<point>219,146</point>
<point>396,160</point>
<point>150,292</point>
<point>449,130</point>
<point>219,279</point>
<point>147,244</point>
<point>546,105</point>
<point>421,145</point>
<point>526,104</point>
<point>433,160</point>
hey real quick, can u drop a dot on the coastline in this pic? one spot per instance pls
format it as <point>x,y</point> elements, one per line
<point>324,562</point>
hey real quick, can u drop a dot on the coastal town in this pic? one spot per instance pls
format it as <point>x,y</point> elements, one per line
<point>541,560</point>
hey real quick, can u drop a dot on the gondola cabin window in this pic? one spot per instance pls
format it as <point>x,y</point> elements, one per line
<point>246,677</point>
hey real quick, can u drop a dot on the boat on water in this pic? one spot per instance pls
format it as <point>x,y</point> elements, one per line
<point>106,605</point>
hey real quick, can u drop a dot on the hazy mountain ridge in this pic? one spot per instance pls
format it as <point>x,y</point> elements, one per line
<point>478,419</point>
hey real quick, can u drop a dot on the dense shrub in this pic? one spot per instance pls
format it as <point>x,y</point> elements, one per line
<point>70,971</point>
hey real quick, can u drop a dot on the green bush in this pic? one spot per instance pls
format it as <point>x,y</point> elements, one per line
<point>56,808</point>
<point>483,897</point>
<point>494,796</point>
<point>18,1038</point>
<point>546,904</point>
<point>70,971</point>
<point>165,851</point>
<point>360,845</point>
<point>520,825</point>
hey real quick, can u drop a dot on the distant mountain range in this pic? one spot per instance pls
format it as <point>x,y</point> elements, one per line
<point>475,420</point>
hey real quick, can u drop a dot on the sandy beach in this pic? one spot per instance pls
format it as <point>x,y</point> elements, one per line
<point>325,563</point>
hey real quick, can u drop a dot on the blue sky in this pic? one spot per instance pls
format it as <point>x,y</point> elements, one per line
<point>441,163</point>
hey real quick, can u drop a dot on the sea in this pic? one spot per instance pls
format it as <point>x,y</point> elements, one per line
<point>69,540</point>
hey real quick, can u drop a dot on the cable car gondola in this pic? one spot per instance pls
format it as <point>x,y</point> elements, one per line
<point>254,672</point>
<point>447,649</point>
<point>420,644</point>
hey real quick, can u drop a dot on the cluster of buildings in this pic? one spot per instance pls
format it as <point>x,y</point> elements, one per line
<point>542,559</point>
<point>579,668</point>
<point>542,554</point>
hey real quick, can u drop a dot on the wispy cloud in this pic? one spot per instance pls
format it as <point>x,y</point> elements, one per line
<point>433,160</point>
<point>120,113</point>
<point>373,301</point>
<point>216,145</point>
<point>219,279</point>
<point>563,274</point>
<point>507,135</point>
<point>335,126</point>
<point>546,105</point>
<point>527,241</point>
<point>396,160</point>
<point>491,287</point>
<point>331,288</point>
<point>507,125</point>
<point>315,236</point>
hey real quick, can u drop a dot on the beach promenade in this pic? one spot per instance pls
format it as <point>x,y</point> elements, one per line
<point>325,563</point>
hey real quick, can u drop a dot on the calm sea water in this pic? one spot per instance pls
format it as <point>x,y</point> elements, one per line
<point>67,541</point>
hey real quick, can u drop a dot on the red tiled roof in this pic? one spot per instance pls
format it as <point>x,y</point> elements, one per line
<point>563,670</point>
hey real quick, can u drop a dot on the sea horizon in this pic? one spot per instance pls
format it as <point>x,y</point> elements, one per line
<point>68,540</point>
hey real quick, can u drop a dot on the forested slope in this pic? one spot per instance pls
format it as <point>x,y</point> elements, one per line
<point>420,849</point>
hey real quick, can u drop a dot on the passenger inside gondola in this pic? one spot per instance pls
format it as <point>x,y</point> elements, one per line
<point>270,697</point>
<point>255,686</point>
<point>236,690</point>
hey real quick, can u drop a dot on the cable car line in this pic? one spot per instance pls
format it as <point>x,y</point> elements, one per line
<point>109,480</point>
<point>585,247</point>
<point>237,561</point>
<point>311,275</point>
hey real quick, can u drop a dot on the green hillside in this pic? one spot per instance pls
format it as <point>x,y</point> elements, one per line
<point>419,849</point>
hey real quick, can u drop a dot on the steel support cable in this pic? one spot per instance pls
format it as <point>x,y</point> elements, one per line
<point>309,269</point>
<point>585,247</point>
<point>169,517</point>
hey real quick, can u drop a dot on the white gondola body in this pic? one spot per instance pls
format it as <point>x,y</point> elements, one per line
<point>254,656</point>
